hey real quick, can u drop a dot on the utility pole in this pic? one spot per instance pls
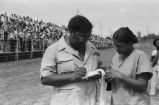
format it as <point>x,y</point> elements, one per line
<point>110,32</point>
<point>100,29</point>
<point>78,12</point>
<point>147,29</point>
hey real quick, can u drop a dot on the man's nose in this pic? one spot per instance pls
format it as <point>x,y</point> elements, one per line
<point>116,48</point>
<point>84,40</point>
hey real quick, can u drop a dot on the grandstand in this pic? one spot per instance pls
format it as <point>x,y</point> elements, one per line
<point>22,37</point>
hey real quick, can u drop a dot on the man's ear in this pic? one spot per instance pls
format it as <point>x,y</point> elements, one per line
<point>96,53</point>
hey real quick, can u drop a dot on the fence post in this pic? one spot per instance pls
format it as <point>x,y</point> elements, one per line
<point>17,47</point>
<point>0,46</point>
<point>31,52</point>
<point>43,45</point>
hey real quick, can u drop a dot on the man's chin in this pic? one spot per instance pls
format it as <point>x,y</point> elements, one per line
<point>119,52</point>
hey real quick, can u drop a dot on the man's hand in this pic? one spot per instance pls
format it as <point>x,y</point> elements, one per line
<point>95,77</point>
<point>79,73</point>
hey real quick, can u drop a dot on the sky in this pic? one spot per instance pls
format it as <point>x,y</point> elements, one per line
<point>105,15</point>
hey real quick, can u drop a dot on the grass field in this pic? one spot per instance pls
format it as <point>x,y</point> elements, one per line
<point>20,82</point>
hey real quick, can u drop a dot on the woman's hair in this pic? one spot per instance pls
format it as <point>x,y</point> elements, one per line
<point>154,42</point>
<point>125,35</point>
<point>79,23</point>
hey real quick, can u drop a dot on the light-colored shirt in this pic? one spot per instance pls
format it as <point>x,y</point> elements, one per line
<point>61,56</point>
<point>136,63</point>
<point>156,67</point>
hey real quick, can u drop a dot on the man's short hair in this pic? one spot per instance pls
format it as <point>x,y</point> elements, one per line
<point>79,23</point>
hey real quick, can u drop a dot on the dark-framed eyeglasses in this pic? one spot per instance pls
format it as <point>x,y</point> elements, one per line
<point>84,36</point>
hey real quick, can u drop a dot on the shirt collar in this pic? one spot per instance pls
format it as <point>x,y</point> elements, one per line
<point>64,46</point>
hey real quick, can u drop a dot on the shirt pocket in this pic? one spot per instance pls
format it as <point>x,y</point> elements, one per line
<point>65,63</point>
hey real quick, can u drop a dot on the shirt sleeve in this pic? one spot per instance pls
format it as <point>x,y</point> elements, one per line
<point>48,64</point>
<point>145,76</point>
<point>143,64</point>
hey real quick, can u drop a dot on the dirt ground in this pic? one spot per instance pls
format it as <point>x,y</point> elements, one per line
<point>20,82</point>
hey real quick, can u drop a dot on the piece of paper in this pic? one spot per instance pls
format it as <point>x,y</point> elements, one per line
<point>92,74</point>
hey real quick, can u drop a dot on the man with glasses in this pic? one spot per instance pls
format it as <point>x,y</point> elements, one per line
<point>66,62</point>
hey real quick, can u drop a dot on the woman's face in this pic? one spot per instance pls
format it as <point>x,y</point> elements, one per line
<point>122,48</point>
<point>157,44</point>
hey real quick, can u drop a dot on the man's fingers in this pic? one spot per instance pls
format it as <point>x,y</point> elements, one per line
<point>77,66</point>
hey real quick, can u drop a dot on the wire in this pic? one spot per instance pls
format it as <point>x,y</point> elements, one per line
<point>59,9</point>
<point>65,9</point>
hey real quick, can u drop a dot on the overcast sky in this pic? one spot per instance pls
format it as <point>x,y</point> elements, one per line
<point>105,15</point>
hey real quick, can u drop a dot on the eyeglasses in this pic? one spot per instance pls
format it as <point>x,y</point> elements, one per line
<point>82,36</point>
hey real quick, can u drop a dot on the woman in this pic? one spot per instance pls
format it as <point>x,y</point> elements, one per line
<point>155,65</point>
<point>130,71</point>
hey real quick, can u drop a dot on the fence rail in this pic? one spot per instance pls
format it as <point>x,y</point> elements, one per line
<point>19,45</point>
<point>14,49</point>
<point>32,48</point>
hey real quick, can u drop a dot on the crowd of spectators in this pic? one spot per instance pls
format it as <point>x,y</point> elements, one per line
<point>33,34</point>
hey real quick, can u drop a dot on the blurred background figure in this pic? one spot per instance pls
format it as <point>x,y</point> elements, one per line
<point>155,64</point>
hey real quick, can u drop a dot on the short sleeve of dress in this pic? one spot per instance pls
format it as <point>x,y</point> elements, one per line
<point>143,63</point>
<point>48,64</point>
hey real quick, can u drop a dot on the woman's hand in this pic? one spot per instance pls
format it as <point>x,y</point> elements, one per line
<point>116,74</point>
<point>112,74</point>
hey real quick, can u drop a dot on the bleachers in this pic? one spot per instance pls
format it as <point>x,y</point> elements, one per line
<point>22,37</point>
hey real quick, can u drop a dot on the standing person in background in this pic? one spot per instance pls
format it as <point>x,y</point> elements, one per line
<point>22,40</point>
<point>130,72</point>
<point>29,41</point>
<point>66,62</point>
<point>12,40</point>
<point>155,64</point>
<point>6,33</point>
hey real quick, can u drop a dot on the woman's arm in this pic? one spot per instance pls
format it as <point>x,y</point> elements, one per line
<point>138,84</point>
